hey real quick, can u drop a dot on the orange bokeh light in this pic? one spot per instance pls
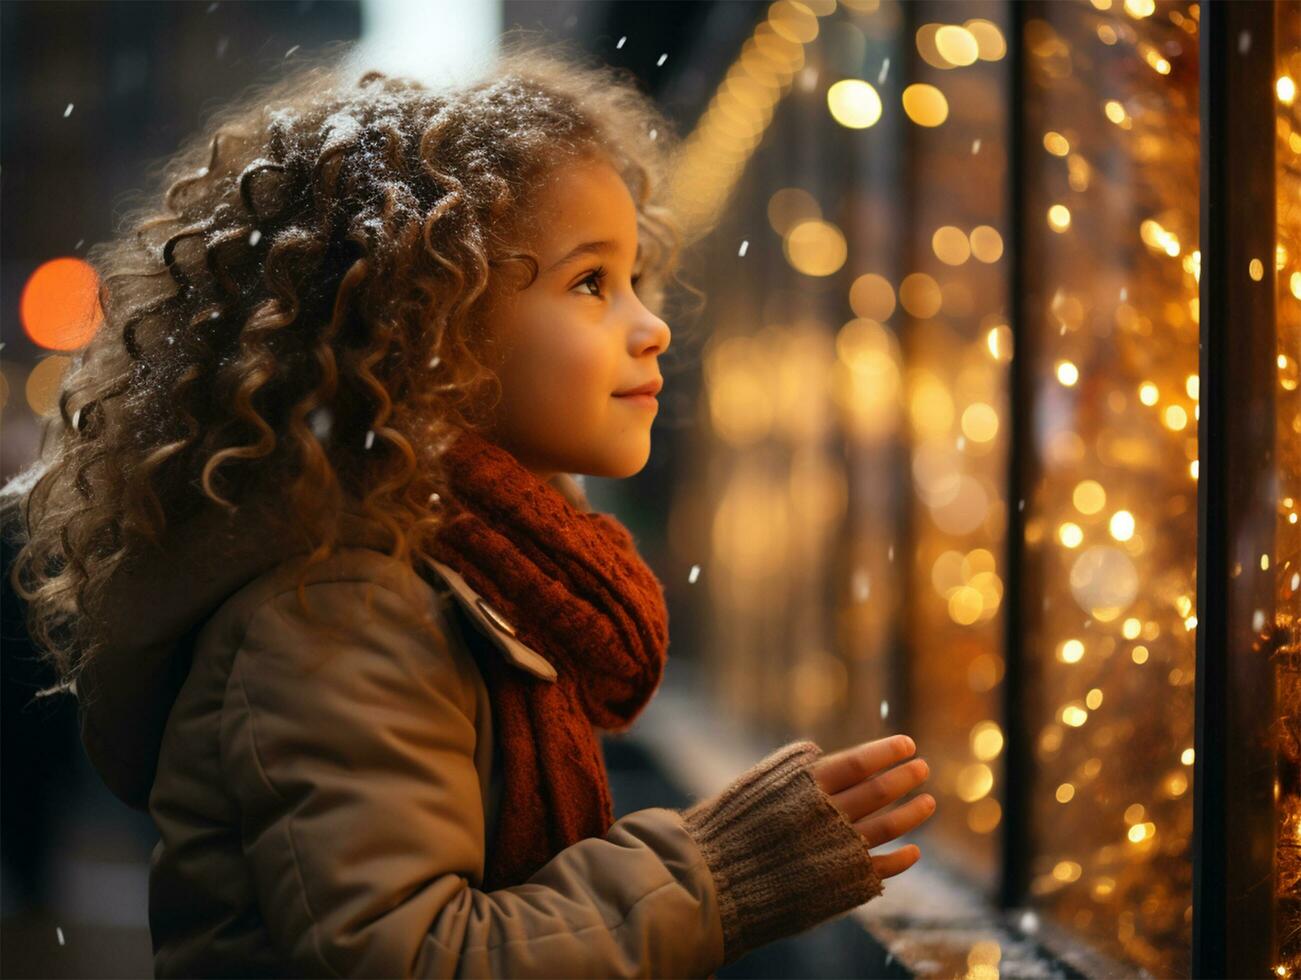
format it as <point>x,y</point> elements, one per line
<point>59,306</point>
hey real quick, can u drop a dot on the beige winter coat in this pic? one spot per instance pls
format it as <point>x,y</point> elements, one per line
<point>325,791</point>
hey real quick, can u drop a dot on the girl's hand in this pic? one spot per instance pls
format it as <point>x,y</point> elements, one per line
<point>860,782</point>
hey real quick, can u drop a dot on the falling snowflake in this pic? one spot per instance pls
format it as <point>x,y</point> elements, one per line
<point>1029,922</point>
<point>254,237</point>
<point>221,45</point>
<point>80,242</point>
<point>621,40</point>
<point>885,709</point>
<point>962,443</point>
<point>745,245</point>
<point>890,553</point>
<point>292,50</point>
<point>862,585</point>
<point>975,146</point>
<point>370,438</point>
<point>693,574</point>
<point>321,422</point>
<point>1244,42</point>
<point>885,68</point>
<point>433,499</point>
<point>58,931</point>
<point>212,7</point>
<point>663,58</point>
<point>654,133</point>
<point>68,111</point>
<point>434,362</point>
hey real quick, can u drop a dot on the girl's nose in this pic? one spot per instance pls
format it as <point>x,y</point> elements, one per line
<point>652,334</point>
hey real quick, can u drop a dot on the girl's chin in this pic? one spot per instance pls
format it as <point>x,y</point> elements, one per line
<point>620,466</point>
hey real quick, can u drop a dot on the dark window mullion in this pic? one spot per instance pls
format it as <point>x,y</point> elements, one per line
<point>1233,828</point>
<point>1017,841</point>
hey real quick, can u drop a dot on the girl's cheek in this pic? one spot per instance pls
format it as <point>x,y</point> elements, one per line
<point>589,369</point>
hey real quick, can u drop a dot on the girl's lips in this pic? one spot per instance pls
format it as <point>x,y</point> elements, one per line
<point>645,400</point>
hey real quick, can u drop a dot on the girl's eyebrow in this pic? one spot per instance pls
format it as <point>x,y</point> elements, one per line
<point>586,248</point>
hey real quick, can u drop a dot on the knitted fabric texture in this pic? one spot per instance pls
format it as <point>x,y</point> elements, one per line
<point>783,856</point>
<point>575,589</point>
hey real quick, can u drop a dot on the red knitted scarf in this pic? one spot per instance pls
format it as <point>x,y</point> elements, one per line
<point>577,592</point>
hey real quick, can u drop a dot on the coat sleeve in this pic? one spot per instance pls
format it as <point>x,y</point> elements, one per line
<point>350,754</point>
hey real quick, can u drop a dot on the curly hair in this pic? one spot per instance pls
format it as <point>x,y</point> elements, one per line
<point>300,322</point>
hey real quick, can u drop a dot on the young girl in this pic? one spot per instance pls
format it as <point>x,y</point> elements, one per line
<point>305,549</point>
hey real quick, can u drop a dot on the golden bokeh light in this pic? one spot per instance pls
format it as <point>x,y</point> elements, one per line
<point>42,388</point>
<point>980,422</point>
<point>919,294</point>
<point>928,49</point>
<point>957,45</point>
<point>999,343</point>
<point>989,39</point>
<point>1089,497</point>
<point>854,103</point>
<point>985,815</point>
<point>986,741</point>
<point>974,781</point>
<point>1074,714</point>
<point>986,243</point>
<point>1070,534</point>
<point>872,296</point>
<point>815,248</point>
<point>951,245</point>
<point>1067,373</point>
<point>789,206</point>
<point>1114,111</point>
<point>1122,525</point>
<point>793,20</point>
<point>1056,144</point>
<point>925,104</point>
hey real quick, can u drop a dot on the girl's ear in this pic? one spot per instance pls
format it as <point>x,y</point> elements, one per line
<point>571,491</point>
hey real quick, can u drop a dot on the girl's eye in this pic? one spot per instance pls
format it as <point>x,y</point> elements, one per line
<point>597,278</point>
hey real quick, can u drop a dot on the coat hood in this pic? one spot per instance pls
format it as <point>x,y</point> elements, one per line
<point>150,616</point>
<point>155,607</point>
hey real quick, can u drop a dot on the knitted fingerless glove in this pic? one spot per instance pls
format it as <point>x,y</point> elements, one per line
<point>784,858</point>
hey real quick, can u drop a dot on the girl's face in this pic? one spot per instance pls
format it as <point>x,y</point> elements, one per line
<point>577,335</point>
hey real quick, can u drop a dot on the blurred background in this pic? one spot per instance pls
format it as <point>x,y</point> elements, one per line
<point>869,516</point>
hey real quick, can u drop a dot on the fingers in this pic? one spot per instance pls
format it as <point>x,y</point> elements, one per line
<point>882,827</point>
<point>879,792</point>
<point>900,859</point>
<point>840,770</point>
